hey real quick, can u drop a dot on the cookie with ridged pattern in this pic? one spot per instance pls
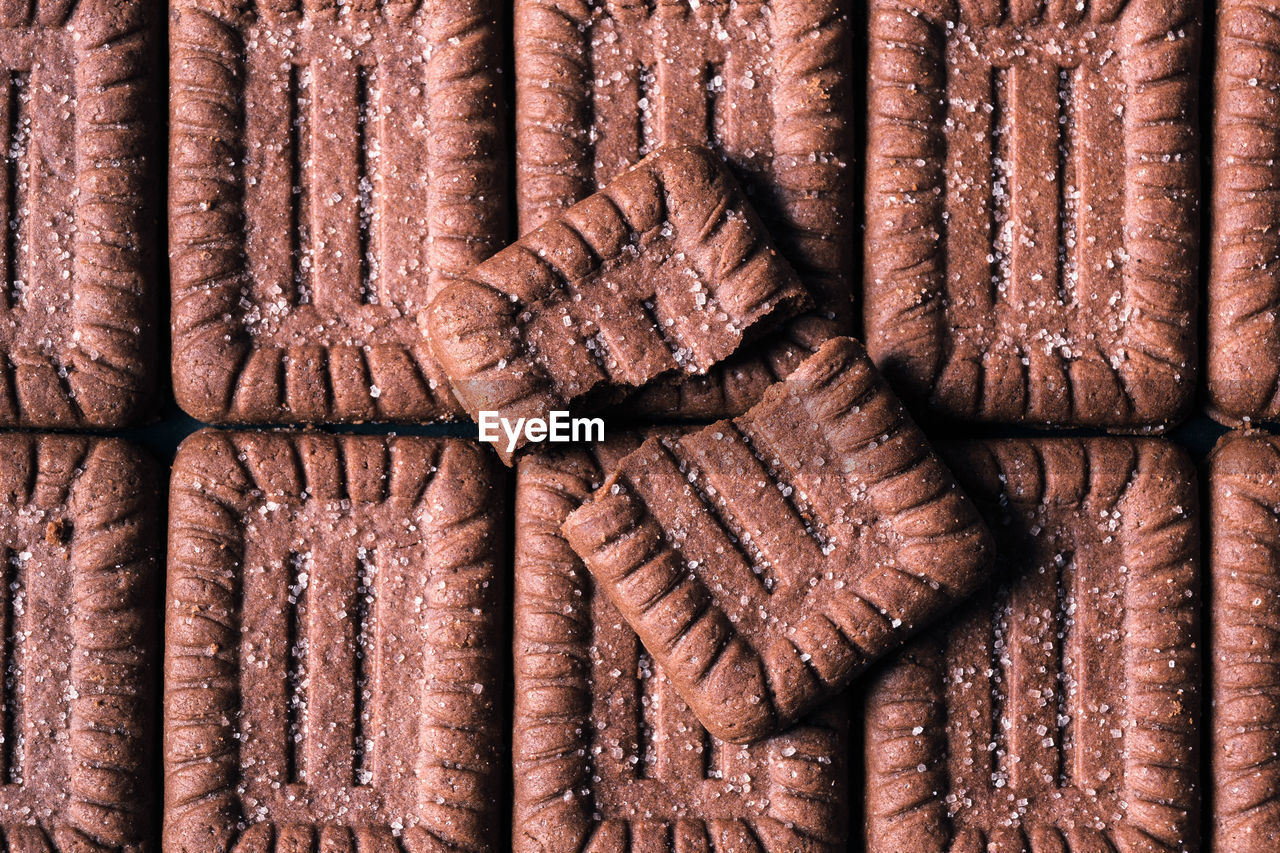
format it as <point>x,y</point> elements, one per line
<point>333,649</point>
<point>766,84</point>
<point>605,753</point>
<point>1033,207</point>
<point>81,580</point>
<point>765,561</point>
<point>1244,534</point>
<point>79,212</point>
<point>1060,710</point>
<point>667,270</point>
<point>1244,283</point>
<point>332,166</point>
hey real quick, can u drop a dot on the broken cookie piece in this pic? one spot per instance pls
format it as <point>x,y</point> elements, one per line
<point>665,270</point>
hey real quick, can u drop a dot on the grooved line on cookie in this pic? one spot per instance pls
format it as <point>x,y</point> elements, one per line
<point>17,119</point>
<point>297,667</point>
<point>671,745</point>
<point>720,510</point>
<point>301,251</point>
<point>368,178</point>
<point>14,595</point>
<point>367,683</point>
<point>1066,651</point>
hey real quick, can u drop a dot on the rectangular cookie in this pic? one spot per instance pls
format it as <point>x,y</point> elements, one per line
<point>80,586</point>
<point>767,84</point>
<point>1032,208</point>
<point>1244,276</point>
<point>332,165</point>
<point>333,647</point>
<point>606,756</point>
<point>78,117</point>
<point>1244,566</point>
<point>766,560</point>
<point>1059,710</point>
<point>666,270</point>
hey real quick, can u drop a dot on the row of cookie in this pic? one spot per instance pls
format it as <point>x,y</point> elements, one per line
<point>333,659</point>
<point>334,605</point>
<point>753,568</point>
<point>1032,188</point>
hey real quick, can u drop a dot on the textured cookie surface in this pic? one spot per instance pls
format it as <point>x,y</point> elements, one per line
<point>1244,282</point>
<point>765,560</point>
<point>332,165</point>
<point>1032,202</point>
<point>1059,710</point>
<point>606,755</point>
<point>1244,488</point>
<point>665,270</point>
<point>767,85</point>
<point>332,645</point>
<point>77,205</point>
<point>80,560</point>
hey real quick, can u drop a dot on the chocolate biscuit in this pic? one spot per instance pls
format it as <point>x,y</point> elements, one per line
<point>605,753</point>
<point>1060,709</point>
<point>1244,277</point>
<point>767,84</point>
<point>764,561</point>
<point>1032,196</point>
<point>1244,496</point>
<point>77,205</point>
<point>332,166</point>
<point>332,651</point>
<point>665,270</point>
<point>80,586</point>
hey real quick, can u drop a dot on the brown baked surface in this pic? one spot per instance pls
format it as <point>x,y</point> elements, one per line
<point>332,652</point>
<point>1244,506</point>
<point>77,212</point>
<point>1244,270</point>
<point>80,557</point>
<point>606,756</point>
<point>332,166</point>
<point>764,561</point>
<point>666,270</point>
<point>1059,710</point>
<point>768,85</point>
<point>997,290</point>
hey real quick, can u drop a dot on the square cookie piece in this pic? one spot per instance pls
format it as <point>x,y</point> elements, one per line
<point>1032,197</point>
<point>333,644</point>
<point>764,561</point>
<point>1244,507</point>
<point>78,200</point>
<point>331,166</point>
<point>1060,709</point>
<point>767,84</point>
<point>606,755</point>
<point>80,585</point>
<point>666,270</point>
<point>1244,275</point>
